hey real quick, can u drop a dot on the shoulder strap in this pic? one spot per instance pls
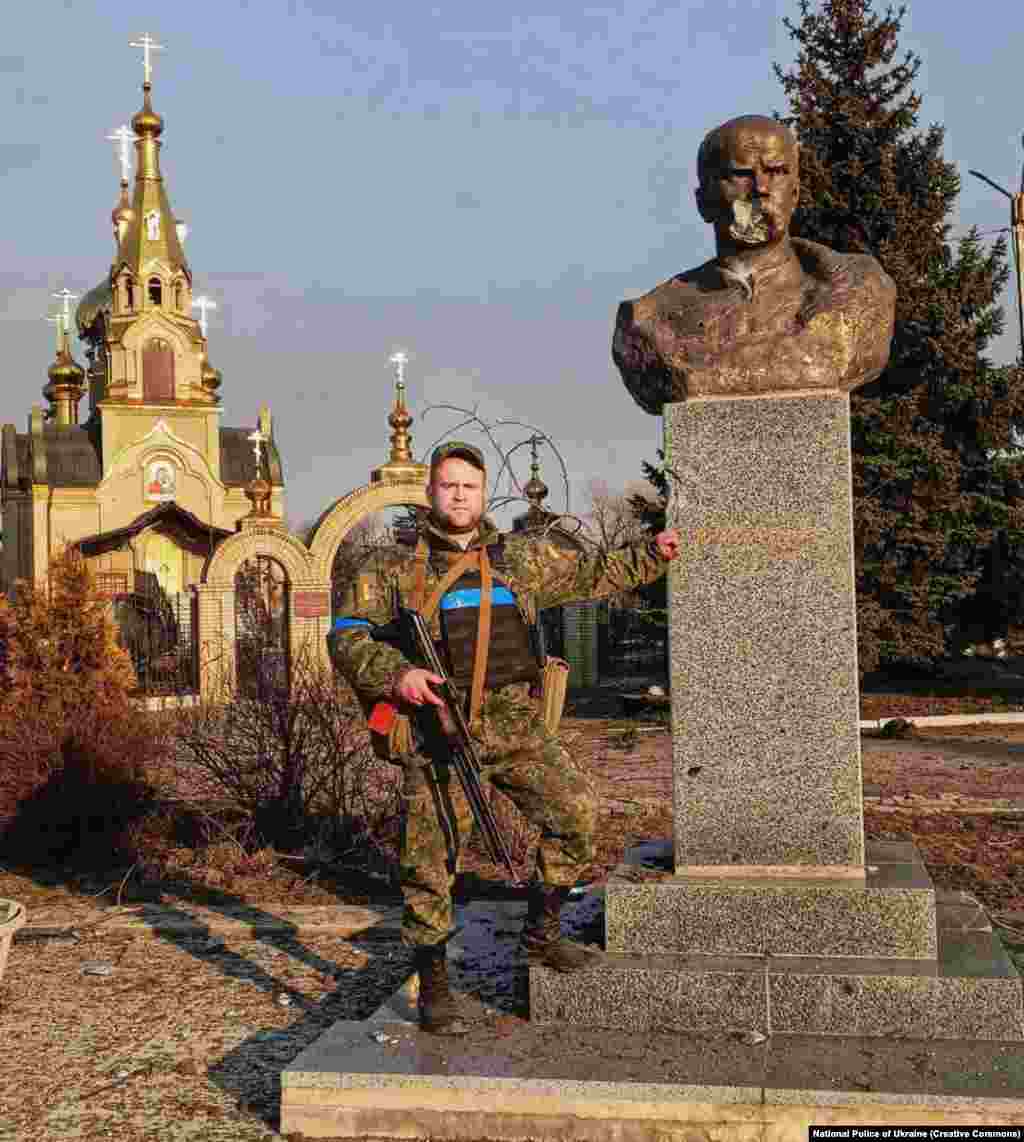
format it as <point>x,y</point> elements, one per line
<point>483,637</point>
<point>419,587</point>
<point>455,572</point>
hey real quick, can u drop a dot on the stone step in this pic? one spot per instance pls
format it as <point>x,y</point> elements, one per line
<point>889,915</point>
<point>972,991</point>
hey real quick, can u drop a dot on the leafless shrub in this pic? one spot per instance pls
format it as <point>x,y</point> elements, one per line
<point>294,758</point>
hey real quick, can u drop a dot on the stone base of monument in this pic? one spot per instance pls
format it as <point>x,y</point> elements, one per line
<point>878,957</point>
<point>516,1079</point>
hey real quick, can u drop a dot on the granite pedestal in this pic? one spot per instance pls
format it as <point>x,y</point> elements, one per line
<point>764,913</point>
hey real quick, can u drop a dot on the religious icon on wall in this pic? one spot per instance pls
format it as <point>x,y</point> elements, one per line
<point>161,481</point>
<point>153,225</point>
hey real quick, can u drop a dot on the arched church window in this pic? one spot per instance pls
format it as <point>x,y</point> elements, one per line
<point>261,627</point>
<point>155,291</point>
<point>129,291</point>
<point>157,371</point>
<point>179,296</point>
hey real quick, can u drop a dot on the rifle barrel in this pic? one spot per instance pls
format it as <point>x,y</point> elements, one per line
<point>462,751</point>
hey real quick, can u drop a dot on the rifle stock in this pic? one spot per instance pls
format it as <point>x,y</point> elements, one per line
<point>454,729</point>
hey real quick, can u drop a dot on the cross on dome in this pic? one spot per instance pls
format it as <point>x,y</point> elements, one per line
<point>258,440</point>
<point>148,45</point>
<point>124,136</point>
<point>203,304</point>
<point>399,359</point>
<point>66,297</point>
<point>57,319</point>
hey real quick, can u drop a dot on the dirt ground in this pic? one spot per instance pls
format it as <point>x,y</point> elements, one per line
<point>185,1038</point>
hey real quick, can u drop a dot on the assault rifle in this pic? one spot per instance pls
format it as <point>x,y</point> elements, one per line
<point>444,729</point>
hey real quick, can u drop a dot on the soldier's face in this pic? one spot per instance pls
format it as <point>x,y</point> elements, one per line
<point>753,194</point>
<point>456,493</point>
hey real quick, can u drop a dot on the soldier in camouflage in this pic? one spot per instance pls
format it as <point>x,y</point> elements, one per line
<point>519,755</point>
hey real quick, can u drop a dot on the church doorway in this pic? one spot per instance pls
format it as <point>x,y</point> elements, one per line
<point>261,628</point>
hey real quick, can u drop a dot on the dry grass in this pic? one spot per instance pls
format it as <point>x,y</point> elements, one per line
<point>183,1041</point>
<point>187,1041</point>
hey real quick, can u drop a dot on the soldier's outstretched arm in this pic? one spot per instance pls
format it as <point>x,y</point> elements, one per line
<point>554,575</point>
<point>369,667</point>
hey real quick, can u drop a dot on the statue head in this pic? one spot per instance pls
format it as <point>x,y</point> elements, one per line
<point>749,181</point>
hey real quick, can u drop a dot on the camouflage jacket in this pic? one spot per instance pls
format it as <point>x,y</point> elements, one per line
<point>539,572</point>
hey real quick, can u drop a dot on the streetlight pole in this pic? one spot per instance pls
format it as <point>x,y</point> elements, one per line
<point>1016,240</point>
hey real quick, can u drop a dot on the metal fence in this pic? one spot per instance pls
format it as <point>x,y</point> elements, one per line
<point>552,632</point>
<point>631,642</point>
<point>158,630</point>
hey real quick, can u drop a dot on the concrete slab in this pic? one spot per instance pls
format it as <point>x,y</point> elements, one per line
<point>510,1079</point>
<point>229,921</point>
<point>513,1079</point>
<point>948,720</point>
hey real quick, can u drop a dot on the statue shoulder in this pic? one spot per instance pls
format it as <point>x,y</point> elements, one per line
<point>845,275</point>
<point>687,300</point>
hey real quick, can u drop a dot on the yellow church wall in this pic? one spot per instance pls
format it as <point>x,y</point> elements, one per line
<point>17,540</point>
<point>122,497</point>
<point>125,425</point>
<point>71,515</point>
<point>40,531</point>
<point>126,357</point>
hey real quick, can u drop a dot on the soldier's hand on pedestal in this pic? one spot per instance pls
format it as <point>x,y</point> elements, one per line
<point>414,687</point>
<point>668,543</point>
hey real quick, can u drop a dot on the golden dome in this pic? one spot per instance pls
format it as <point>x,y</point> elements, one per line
<point>65,371</point>
<point>258,492</point>
<point>98,300</point>
<point>147,121</point>
<point>211,377</point>
<point>122,212</point>
<point>535,490</point>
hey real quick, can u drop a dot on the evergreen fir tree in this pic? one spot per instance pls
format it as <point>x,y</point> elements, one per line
<point>652,515</point>
<point>74,750</point>
<point>930,503</point>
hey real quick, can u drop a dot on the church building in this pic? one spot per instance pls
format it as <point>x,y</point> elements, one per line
<point>144,479</point>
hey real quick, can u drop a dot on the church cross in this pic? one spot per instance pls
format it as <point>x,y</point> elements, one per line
<point>148,44</point>
<point>258,440</point>
<point>399,360</point>
<point>124,137</point>
<point>203,304</point>
<point>66,297</point>
<point>58,320</point>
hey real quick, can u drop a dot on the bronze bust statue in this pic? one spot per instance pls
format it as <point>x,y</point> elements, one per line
<point>769,313</point>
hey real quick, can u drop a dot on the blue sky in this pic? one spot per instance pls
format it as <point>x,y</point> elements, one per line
<point>479,184</point>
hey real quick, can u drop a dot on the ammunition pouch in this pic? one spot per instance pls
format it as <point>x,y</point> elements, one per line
<point>554,683</point>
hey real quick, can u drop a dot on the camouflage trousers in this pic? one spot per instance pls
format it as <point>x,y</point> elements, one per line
<point>524,761</point>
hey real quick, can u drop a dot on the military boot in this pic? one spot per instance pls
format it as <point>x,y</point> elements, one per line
<point>438,1011</point>
<point>542,937</point>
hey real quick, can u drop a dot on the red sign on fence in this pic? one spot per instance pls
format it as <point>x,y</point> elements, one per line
<point>311,604</point>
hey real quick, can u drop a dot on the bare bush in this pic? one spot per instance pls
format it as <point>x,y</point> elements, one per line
<point>295,759</point>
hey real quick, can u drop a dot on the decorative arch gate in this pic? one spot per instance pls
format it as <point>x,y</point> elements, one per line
<point>265,598</point>
<point>262,642</point>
